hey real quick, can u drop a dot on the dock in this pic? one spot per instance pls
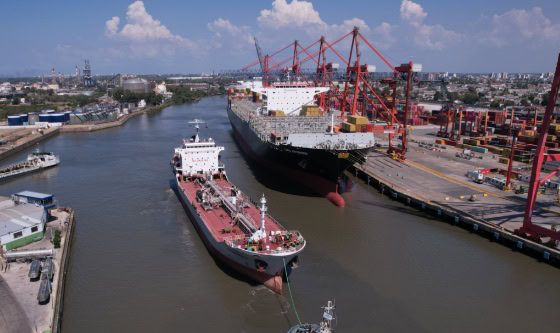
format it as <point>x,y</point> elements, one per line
<point>19,307</point>
<point>434,181</point>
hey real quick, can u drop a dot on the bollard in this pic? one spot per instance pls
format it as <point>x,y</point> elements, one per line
<point>519,244</point>
<point>457,219</point>
<point>423,206</point>
<point>439,212</point>
<point>546,255</point>
<point>496,235</point>
<point>408,201</point>
<point>395,195</point>
<point>475,227</point>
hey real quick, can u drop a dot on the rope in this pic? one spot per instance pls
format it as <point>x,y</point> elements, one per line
<point>290,290</point>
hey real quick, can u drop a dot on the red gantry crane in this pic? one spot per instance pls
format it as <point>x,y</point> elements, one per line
<point>529,229</point>
<point>357,95</point>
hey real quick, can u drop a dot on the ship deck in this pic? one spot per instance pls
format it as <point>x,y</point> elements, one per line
<point>217,220</point>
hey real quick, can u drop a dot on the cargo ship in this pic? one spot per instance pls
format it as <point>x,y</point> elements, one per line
<point>286,133</point>
<point>235,229</point>
<point>35,161</point>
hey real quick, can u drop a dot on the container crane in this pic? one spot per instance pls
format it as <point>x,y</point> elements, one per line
<point>259,54</point>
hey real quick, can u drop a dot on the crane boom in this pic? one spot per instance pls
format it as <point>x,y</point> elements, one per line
<point>259,53</point>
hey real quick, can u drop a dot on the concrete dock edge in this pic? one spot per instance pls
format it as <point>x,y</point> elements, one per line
<point>59,299</point>
<point>29,143</point>
<point>462,219</point>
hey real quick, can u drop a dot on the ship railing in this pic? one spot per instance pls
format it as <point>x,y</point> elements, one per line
<point>286,245</point>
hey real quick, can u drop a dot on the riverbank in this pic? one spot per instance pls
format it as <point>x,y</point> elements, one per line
<point>105,125</point>
<point>473,207</point>
<point>39,317</point>
<point>20,139</point>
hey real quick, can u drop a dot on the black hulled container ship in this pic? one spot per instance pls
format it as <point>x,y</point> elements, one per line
<point>289,135</point>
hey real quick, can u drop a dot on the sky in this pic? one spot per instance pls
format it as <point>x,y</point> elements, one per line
<point>173,36</point>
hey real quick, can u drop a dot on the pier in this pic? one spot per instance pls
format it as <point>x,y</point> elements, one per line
<point>21,312</point>
<point>434,181</point>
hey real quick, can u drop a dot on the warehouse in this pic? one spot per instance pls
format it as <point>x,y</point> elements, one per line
<point>20,224</point>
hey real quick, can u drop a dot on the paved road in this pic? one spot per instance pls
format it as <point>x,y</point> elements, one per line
<point>12,317</point>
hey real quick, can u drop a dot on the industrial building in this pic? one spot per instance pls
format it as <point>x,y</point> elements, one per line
<point>21,222</point>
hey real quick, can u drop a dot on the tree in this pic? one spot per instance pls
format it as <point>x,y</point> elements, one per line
<point>470,98</point>
<point>495,104</point>
<point>544,101</point>
<point>437,96</point>
<point>15,101</point>
<point>524,102</point>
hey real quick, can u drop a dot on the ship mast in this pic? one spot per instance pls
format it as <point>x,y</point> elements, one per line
<point>261,233</point>
<point>196,138</point>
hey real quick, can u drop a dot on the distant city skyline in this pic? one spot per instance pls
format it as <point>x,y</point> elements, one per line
<point>182,37</point>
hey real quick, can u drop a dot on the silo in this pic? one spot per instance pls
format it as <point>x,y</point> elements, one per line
<point>14,120</point>
<point>33,117</point>
<point>56,118</point>
<point>77,118</point>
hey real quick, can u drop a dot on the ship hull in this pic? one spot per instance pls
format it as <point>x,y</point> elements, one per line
<point>319,170</point>
<point>242,262</point>
<point>24,172</point>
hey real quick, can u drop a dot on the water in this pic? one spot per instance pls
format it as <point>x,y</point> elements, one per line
<point>137,263</point>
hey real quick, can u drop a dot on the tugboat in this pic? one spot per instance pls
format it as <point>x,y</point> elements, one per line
<point>226,219</point>
<point>324,326</point>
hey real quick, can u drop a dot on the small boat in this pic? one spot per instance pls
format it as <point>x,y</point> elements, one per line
<point>48,270</point>
<point>325,326</point>
<point>35,161</point>
<point>35,270</point>
<point>44,293</point>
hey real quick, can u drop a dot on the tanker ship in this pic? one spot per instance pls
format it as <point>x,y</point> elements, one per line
<point>225,218</point>
<point>287,134</point>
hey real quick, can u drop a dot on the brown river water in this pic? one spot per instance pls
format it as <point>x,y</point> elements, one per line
<point>138,265</point>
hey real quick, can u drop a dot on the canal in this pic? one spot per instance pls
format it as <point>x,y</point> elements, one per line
<point>137,264</point>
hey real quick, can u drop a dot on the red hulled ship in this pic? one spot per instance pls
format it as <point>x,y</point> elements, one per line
<point>235,229</point>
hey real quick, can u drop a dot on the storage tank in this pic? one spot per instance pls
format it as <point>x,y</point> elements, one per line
<point>136,85</point>
<point>77,118</point>
<point>67,115</point>
<point>56,118</point>
<point>24,118</point>
<point>51,111</point>
<point>33,117</point>
<point>44,118</point>
<point>14,120</point>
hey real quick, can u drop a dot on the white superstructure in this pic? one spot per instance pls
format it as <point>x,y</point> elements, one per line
<point>35,161</point>
<point>287,96</point>
<point>197,156</point>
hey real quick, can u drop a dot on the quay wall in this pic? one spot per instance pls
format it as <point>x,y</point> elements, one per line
<point>59,298</point>
<point>27,144</point>
<point>461,219</point>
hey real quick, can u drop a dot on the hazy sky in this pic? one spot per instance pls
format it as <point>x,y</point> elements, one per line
<point>172,36</point>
